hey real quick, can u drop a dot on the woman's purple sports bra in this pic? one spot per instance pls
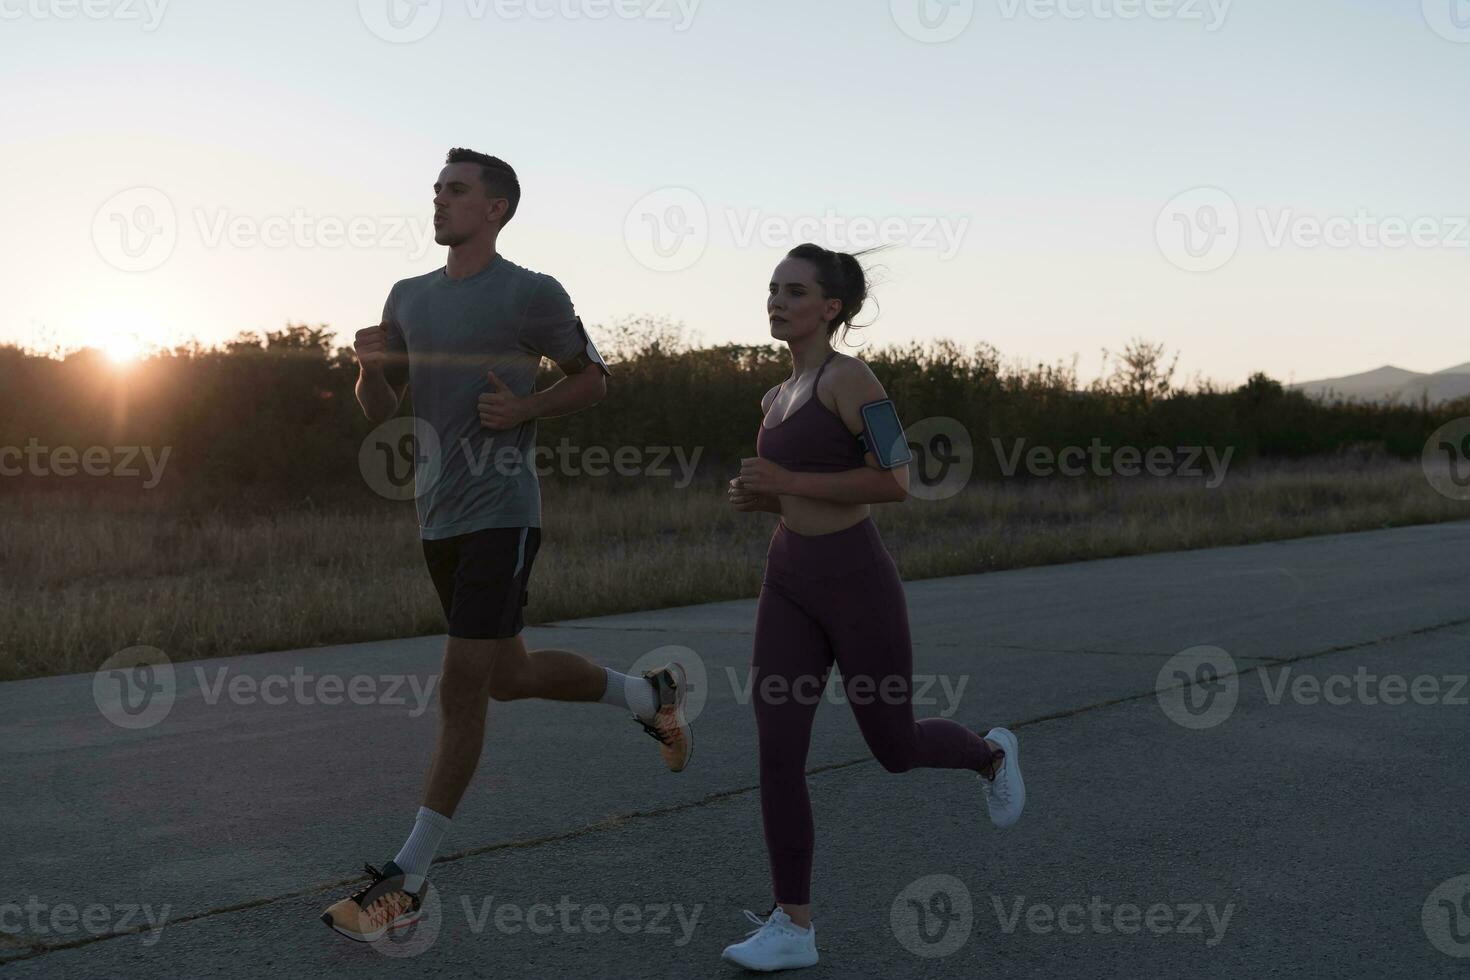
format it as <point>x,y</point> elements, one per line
<point>812,439</point>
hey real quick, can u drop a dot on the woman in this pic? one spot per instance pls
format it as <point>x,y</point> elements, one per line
<point>832,593</point>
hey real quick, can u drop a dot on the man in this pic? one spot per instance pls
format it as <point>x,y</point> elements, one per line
<point>468,339</point>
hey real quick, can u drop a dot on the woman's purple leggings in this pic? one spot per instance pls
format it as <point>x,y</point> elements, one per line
<point>824,598</point>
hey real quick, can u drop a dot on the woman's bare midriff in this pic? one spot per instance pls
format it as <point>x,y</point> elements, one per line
<point>812,517</point>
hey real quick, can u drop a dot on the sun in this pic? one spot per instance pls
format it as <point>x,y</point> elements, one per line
<point>121,350</point>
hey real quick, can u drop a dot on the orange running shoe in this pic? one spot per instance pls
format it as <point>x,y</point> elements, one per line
<point>670,725</point>
<point>368,913</point>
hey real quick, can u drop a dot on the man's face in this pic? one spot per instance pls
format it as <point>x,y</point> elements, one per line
<point>461,209</point>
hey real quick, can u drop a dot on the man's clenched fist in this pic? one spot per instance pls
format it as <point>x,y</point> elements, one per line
<point>371,347</point>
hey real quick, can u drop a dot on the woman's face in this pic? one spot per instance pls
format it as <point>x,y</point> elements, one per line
<point>796,306</point>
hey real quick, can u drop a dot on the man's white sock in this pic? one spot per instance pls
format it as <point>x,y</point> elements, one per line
<point>429,829</point>
<point>633,693</point>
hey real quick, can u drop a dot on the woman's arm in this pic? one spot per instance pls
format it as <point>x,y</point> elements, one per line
<point>747,501</point>
<point>868,485</point>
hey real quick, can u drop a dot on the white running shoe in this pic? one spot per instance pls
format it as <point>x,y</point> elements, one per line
<point>1005,795</point>
<point>777,944</point>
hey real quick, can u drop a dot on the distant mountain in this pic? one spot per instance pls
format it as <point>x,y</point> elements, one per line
<point>1390,383</point>
<point>1368,386</point>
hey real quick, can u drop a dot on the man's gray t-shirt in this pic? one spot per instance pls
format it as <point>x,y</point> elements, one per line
<point>455,331</point>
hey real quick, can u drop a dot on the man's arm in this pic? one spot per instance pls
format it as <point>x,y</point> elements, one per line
<point>378,396</point>
<point>583,386</point>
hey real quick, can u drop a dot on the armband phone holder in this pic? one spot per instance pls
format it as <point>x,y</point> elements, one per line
<point>591,351</point>
<point>883,435</point>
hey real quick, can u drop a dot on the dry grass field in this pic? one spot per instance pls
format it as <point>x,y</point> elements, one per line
<point>85,578</point>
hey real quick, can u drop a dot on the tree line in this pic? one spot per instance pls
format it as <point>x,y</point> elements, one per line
<point>272,417</point>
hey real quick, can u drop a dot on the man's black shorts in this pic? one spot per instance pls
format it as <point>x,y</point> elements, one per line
<point>483,579</point>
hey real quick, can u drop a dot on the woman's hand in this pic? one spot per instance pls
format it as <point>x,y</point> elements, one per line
<point>764,477</point>
<point>748,501</point>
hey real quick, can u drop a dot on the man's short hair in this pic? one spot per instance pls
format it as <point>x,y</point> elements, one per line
<point>498,177</point>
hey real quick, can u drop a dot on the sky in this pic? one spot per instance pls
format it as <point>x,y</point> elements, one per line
<point>1258,185</point>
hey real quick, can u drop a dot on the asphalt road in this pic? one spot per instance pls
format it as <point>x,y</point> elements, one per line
<point>1290,800</point>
